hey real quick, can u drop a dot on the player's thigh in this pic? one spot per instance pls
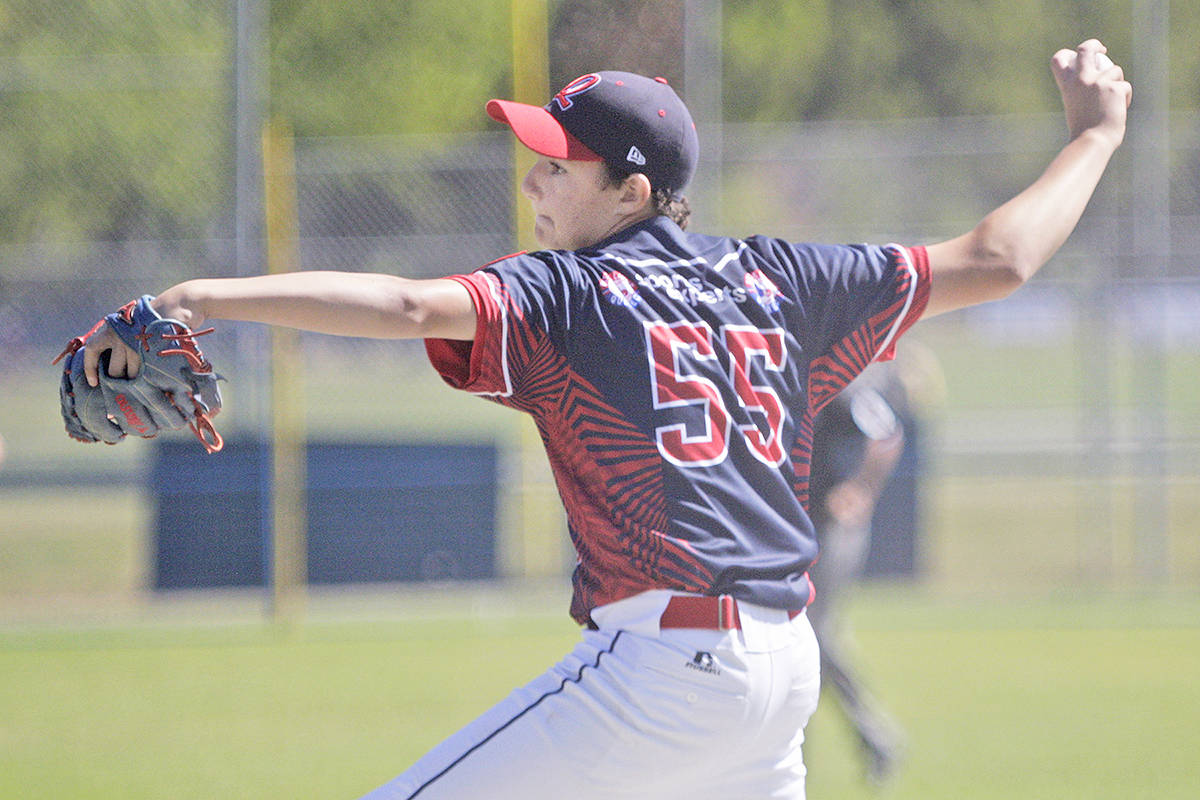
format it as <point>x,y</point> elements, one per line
<point>768,762</point>
<point>544,740</point>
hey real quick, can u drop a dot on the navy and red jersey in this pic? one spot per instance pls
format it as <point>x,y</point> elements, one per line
<point>674,378</point>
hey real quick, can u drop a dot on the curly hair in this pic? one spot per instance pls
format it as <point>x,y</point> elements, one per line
<point>673,207</point>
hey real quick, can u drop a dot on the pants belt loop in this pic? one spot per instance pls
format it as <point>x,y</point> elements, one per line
<point>726,611</point>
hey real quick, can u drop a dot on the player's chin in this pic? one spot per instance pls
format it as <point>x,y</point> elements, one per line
<point>543,231</point>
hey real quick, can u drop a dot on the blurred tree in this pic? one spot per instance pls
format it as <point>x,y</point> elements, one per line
<point>114,114</point>
<point>643,36</point>
<point>870,59</point>
<point>387,66</point>
<point>111,121</point>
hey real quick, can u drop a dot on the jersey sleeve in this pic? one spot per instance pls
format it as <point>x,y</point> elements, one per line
<point>477,366</point>
<point>853,305</point>
<point>863,297</point>
<point>516,300</point>
<point>911,265</point>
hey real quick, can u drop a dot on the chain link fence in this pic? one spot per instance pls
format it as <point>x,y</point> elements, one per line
<point>1062,444</point>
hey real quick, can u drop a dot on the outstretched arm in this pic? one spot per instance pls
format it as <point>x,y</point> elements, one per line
<point>339,303</point>
<point>1013,242</point>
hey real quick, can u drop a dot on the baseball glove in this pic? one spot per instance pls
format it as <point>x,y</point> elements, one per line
<point>175,387</point>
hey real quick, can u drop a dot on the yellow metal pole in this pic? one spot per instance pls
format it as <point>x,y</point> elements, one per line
<point>289,573</point>
<point>535,544</point>
<point>531,84</point>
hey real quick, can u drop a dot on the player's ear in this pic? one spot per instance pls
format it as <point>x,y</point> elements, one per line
<point>635,190</point>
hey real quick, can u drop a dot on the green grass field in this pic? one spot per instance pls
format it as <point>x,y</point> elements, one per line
<point>1039,657</point>
<point>1067,698</point>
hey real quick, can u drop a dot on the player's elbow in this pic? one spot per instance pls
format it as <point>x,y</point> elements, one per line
<point>1006,275</point>
<point>1001,265</point>
<point>430,309</point>
<point>393,309</point>
<point>1010,255</point>
<point>971,270</point>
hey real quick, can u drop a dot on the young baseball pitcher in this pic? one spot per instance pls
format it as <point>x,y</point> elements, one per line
<point>674,378</point>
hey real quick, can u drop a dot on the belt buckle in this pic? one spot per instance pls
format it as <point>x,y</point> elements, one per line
<point>725,613</point>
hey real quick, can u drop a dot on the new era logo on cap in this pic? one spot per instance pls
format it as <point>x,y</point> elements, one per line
<point>635,157</point>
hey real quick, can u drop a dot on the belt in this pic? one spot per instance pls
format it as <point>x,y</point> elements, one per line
<point>710,613</point>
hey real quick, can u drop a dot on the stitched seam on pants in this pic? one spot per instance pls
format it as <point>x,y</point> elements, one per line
<point>575,679</point>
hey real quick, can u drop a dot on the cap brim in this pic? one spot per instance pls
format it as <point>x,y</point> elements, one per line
<point>537,129</point>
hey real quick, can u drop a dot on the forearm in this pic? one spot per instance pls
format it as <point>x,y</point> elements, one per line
<point>879,462</point>
<point>1027,230</point>
<point>1013,242</point>
<point>338,303</point>
<point>852,500</point>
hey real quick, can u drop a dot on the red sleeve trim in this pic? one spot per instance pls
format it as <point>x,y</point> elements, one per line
<point>463,364</point>
<point>913,263</point>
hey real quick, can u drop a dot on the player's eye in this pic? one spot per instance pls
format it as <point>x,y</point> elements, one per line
<point>556,168</point>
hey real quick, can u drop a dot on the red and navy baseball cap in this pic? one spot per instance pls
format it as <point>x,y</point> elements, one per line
<point>635,123</point>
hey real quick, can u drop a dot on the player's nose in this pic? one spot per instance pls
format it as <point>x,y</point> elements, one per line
<point>529,183</point>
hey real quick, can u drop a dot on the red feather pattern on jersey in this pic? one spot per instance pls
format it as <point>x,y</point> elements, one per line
<point>801,455</point>
<point>830,373</point>
<point>608,473</point>
<point>616,506</point>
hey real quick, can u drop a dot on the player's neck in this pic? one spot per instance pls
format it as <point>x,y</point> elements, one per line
<point>629,220</point>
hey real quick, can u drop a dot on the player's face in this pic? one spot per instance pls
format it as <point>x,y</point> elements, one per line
<point>573,203</point>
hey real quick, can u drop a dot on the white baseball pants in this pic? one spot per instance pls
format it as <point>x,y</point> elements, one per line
<point>641,713</point>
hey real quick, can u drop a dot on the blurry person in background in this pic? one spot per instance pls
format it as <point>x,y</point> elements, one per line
<point>859,439</point>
